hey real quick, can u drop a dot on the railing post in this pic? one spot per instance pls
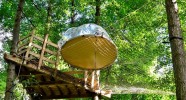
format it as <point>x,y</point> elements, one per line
<point>29,46</point>
<point>91,78</point>
<point>97,74</point>
<point>85,78</point>
<point>57,61</point>
<point>43,51</point>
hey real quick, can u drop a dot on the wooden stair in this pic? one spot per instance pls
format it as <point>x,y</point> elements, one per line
<point>37,62</point>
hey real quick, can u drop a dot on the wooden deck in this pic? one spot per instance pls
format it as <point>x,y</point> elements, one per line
<point>37,66</point>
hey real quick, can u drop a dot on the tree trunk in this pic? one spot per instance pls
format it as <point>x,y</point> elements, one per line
<point>177,47</point>
<point>49,17</point>
<point>11,67</point>
<point>97,14</point>
<point>72,13</point>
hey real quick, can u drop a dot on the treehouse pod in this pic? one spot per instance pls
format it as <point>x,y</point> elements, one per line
<point>87,47</point>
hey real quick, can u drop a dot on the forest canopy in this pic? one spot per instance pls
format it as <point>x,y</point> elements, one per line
<point>137,27</point>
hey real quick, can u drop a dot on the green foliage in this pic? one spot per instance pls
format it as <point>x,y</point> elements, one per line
<point>7,12</point>
<point>137,27</point>
<point>142,97</point>
<point>2,83</point>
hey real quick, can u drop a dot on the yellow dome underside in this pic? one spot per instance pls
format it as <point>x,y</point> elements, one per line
<point>89,52</point>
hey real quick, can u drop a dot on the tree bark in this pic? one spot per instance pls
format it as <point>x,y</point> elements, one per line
<point>49,17</point>
<point>177,48</point>
<point>72,13</point>
<point>97,14</point>
<point>11,67</point>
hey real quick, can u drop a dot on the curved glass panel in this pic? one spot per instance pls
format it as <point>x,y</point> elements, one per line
<point>86,29</point>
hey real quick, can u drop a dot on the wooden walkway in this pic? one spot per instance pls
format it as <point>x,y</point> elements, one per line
<point>37,66</point>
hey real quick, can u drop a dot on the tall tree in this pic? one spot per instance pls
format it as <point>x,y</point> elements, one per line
<point>72,13</point>
<point>97,14</point>
<point>177,47</point>
<point>49,17</point>
<point>11,67</point>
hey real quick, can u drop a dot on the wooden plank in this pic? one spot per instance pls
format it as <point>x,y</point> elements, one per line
<point>48,42</point>
<point>42,91</point>
<point>38,38</point>
<point>74,72</point>
<point>37,46</point>
<point>22,74</point>
<point>64,89</point>
<point>42,51</point>
<point>48,60</point>
<point>51,90</point>
<point>85,79</point>
<point>57,62</point>
<point>21,52</point>
<point>96,84</point>
<point>25,45</point>
<point>50,83</point>
<point>106,93</point>
<point>52,44</point>
<point>66,96</point>
<point>52,78</point>
<point>72,89</point>
<point>56,90</point>
<point>46,50</point>
<point>60,91</point>
<point>22,48</point>
<point>48,71</point>
<point>47,91</point>
<point>80,90</point>
<point>23,38</point>
<point>30,44</point>
<point>36,90</point>
<point>43,58</point>
<point>92,79</point>
<point>43,78</point>
<point>34,54</point>
<point>62,76</point>
<point>70,78</point>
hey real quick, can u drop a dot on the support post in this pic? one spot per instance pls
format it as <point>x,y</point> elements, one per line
<point>93,80</point>
<point>96,97</point>
<point>43,51</point>
<point>57,61</point>
<point>29,46</point>
<point>85,78</point>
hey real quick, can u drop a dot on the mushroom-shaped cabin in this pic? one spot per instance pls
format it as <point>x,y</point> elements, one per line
<point>87,47</point>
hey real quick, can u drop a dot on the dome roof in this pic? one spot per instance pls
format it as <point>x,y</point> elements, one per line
<point>87,47</point>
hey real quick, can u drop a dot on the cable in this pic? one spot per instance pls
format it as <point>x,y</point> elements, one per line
<point>133,12</point>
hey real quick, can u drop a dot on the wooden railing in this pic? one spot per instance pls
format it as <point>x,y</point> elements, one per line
<point>39,50</point>
<point>43,52</point>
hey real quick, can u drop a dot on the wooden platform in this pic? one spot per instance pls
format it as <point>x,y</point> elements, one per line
<point>37,62</point>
